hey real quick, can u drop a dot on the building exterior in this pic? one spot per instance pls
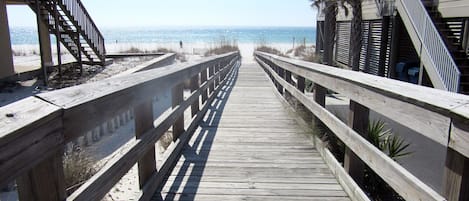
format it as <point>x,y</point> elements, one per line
<point>423,42</point>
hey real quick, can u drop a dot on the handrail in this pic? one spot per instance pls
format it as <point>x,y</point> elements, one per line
<point>438,115</point>
<point>33,131</point>
<point>86,24</point>
<point>432,44</point>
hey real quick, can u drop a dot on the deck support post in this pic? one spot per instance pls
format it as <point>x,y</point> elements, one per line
<point>45,182</point>
<point>203,79</point>
<point>194,87</point>
<point>143,123</point>
<point>6,57</point>
<point>456,175</point>
<point>177,98</point>
<point>358,121</point>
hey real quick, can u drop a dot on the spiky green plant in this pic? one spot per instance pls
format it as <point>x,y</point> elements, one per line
<point>395,147</point>
<point>386,141</point>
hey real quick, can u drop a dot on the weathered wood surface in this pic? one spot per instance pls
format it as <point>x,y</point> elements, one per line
<point>403,182</point>
<point>249,148</point>
<point>425,110</point>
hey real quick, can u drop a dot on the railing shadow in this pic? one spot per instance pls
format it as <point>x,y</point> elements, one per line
<point>203,141</point>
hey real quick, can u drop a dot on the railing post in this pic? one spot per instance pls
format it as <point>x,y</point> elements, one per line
<point>203,79</point>
<point>216,69</point>
<point>300,84</point>
<point>45,182</point>
<point>210,75</point>
<point>143,123</point>
<point>194,87</point>
<point>281,73</point>
<point>177,98</point>
<point>456,175</point>
<point>319,98</point>
<point>358,121</point>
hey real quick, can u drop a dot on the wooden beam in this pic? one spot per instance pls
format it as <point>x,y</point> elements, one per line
<point>456,175</point>
<point>194,87</point>
<point>143,119</point>
<point>45,182</point>
<point>203,79</point>
<point>358,121</point>
<point>177,98</point>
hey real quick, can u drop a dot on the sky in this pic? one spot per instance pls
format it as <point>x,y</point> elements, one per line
<point>181,13</point>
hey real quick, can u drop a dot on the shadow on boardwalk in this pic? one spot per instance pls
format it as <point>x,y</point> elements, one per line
<point>203,139</point>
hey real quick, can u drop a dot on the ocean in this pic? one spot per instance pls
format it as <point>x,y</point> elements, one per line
<point>200,35</point>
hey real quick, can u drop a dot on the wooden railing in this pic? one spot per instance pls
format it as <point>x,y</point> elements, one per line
<point>33,131</point>
<point>435,114</point>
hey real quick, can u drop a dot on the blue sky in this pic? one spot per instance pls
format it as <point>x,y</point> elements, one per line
<point>124,13</point>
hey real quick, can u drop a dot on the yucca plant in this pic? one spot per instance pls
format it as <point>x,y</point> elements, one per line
<point>386,141</point>
<point>395,147</point>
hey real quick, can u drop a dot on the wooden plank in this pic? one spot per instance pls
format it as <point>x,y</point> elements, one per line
<point>203,79</point>
<point>358,121</point>
<point>207,197</point>
<point>45,182</point>
<point>144,123</point>
<point>459,134</point>
<point>178,97</point>
<point>456,176</point>
<point>194,87</point>
<point>30,132</point>
<point>406,184</point>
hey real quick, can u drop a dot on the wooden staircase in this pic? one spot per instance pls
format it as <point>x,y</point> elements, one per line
<point>451,31</point>
<point>74,28</point>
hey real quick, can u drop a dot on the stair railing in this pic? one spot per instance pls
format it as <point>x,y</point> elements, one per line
<point>86,24</point>
<point>432,44</point>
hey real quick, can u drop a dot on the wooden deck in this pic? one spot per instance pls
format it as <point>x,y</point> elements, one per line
<point>249,148</point>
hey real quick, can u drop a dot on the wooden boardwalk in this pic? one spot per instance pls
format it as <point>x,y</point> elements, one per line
<point>249,148</point>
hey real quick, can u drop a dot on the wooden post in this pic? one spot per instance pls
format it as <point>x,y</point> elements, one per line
<point>289,80</point>
<point>143,123</point>
<point>456,175</point>
<point>177,98</point>
<point>300,84</point>
<point>203,79</point>
<point>210,75</point>
<point>194,87</point>
<point>281,73</point>
<point>358,121</point>
<point>6,57</point>
<point>45,182</point>
<point>216,69</point>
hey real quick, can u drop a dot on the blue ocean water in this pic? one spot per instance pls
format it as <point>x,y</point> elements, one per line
<point>257,35</point>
